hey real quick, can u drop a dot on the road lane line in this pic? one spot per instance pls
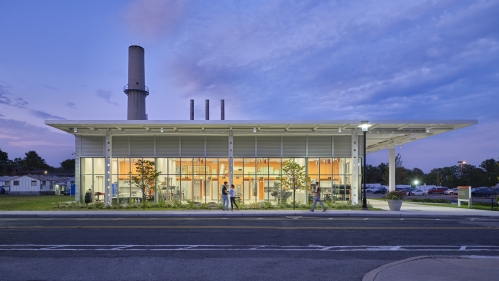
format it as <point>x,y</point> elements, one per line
<point>341,248</point>
<point>247,227</point>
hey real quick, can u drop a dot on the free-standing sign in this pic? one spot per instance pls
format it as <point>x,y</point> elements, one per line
<point>464,194</point>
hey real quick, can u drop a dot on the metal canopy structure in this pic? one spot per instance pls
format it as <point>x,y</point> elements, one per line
<point>381,135</point>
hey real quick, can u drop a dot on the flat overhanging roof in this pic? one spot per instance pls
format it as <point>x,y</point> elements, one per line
<point>382,134</point>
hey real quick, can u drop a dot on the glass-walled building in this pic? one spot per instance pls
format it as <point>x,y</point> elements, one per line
<point>194,158</point>
<point>200,179</point>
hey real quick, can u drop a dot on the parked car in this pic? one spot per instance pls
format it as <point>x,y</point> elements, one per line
<point>437,190</point>
<point>451,191</point>
<point>417,192</point>
<point>371,189</point>
<point>380,191</point>
<point>484,192</point>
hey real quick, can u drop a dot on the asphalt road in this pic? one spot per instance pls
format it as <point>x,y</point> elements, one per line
<point>292,248</point>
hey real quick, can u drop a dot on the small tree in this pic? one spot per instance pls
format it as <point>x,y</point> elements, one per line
<point>145,177</point>
<point>293,177</point>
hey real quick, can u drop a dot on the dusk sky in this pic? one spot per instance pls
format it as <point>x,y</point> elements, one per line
<point>269,60</point>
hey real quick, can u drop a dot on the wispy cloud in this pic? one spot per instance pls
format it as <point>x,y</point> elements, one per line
<point>105,95</point>
<point>339,59</point>
<point>71,105</point>
<point>44,115</point>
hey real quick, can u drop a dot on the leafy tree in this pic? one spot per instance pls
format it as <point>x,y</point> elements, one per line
<point>373,174</point>
<point>33,161</point>
<point>491,168</point>
<point>145,177</point>
<point>68,165</point>
<point>4,157</point>
<point>4,160</point>
<point>398,161</point>
<point>293,177</point>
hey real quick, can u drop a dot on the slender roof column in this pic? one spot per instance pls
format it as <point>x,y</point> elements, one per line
<point>107,169</point>
<point>77,168</point>
<point>231,158</point>
<point>391,169</point>
<point>355,168</point>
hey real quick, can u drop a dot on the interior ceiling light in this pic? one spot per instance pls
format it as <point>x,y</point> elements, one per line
<point>427,130</point>
<point>75,130</point>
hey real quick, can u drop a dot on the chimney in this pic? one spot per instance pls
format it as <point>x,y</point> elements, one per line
<point>222,110</point>
<point>192,109</point>
<point>136,89</point>
<point>207,110</point>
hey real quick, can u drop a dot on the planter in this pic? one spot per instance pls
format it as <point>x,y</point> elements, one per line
<point>394,204</point>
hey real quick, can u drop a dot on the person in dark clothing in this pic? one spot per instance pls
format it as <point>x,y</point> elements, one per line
<point>232,193</point>
<point>225,197</point>
<point>317,198</point>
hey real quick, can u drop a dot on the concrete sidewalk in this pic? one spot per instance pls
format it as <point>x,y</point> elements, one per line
<point>409,210</point>
<point>429,268</point>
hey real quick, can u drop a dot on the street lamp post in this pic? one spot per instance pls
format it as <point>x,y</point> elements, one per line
<point>365,126</point>
<point>461,163</point>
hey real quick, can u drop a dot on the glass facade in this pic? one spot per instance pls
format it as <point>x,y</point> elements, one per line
<point>200,179</point>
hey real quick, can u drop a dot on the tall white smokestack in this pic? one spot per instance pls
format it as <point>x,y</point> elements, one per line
<point>136,89</point>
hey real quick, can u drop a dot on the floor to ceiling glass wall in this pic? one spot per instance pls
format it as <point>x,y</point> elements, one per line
<point>200,179</point>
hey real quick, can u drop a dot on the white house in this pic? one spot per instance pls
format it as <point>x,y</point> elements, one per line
<point>31,184</point>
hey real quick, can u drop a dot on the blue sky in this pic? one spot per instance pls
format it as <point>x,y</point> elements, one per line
<point>269,60</point>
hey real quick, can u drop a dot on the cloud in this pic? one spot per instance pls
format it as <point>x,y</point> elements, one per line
<point>153,18</point>
<point>18,137</point>
<point>44,115</point>
<point>16,102</point>
<point>71,105</point>
<point>414,59</point>
<point>105,95</point>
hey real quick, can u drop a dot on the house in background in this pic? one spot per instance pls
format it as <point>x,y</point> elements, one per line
<point>34,184</point>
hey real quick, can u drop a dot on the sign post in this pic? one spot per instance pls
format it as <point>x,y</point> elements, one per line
<point>464,194</point>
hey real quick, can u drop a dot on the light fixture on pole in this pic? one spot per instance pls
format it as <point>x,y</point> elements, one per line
<point>461,163</point>
<point>161,130</point>
<point>365,126</point>
<point>75,130</point>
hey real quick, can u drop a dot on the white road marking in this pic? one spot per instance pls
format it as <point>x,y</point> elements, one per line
<point>344,248</point>
<point>366,219</point>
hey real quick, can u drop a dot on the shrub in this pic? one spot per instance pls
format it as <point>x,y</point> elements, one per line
<point>429,200</point>
<point>395,195</point>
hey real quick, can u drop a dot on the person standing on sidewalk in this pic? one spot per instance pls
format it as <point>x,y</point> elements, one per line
<point>225,198</point>
<point>232,193</point>
<point>317,198</point>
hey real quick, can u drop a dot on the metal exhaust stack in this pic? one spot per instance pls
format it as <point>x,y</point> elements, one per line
<point>207,110</point>
<point>192,109</point>
<point>222,110</point>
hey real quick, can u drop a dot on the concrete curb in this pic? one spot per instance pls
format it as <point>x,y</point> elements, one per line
<point>474,261</point>
<point>371,275</point>
<point>166,214</point>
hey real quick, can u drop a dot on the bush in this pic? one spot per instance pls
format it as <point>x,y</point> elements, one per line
<point>428,200</point>
<point>395,195</point>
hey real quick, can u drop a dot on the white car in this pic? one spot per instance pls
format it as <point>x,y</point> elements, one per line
<point>417,192</point>
<point>451,191</point>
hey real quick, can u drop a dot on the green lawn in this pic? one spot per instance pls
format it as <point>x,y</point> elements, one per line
<point>31,203</point>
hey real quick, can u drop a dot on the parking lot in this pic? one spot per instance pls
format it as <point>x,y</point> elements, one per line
<point>452,198</point>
